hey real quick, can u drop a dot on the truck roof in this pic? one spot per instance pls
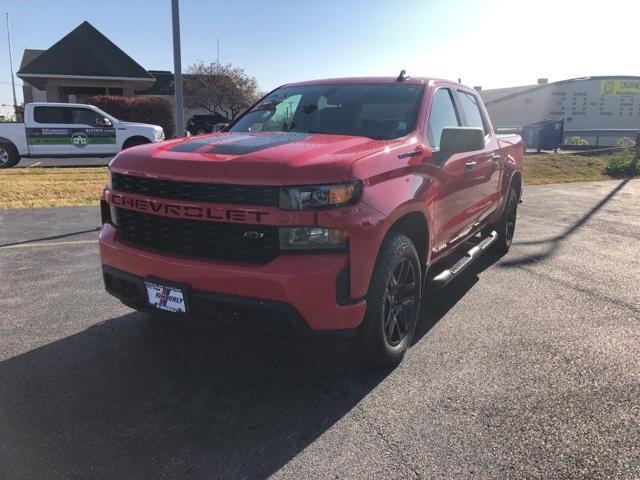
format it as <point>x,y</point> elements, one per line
<point>60,104</point>
<point>409,80</point>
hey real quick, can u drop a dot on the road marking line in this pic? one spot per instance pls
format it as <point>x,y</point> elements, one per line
<point>49,244</point>
<point>37,163</point>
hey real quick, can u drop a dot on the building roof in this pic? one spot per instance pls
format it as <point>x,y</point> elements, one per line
<point>502,94</point>
<point>83,52</point>
<point>163,84</point>
<point>29,55</point>
<point>496,93</point>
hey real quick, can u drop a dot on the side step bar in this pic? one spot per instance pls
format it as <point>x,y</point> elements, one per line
<point>446,276</point>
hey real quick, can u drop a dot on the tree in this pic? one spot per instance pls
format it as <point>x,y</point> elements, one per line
<point>219,88</point>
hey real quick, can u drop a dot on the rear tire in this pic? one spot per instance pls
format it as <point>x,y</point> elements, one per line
<point>9,156</point>
<point>393,303</point>
<point>506,227</point>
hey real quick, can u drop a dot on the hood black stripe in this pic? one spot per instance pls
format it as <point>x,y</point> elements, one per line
<point>252,143</point>
<point>196,144</point>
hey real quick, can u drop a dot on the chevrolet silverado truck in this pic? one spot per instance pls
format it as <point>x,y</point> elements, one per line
<point>68,130</point>
<point>328,208</point>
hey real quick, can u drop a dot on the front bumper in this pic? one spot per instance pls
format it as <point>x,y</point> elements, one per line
<point>299,288</point>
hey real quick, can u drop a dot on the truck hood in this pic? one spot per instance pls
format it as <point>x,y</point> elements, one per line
<point>138,125</point>
<point>274,158</point>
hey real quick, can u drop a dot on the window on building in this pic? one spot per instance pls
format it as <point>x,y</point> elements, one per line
<point>52,115</point>
<point>443,114</point>
<point>471,109</point>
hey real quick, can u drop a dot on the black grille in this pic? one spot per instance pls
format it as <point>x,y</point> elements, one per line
<point>199,192</point>
<point>198,238</point>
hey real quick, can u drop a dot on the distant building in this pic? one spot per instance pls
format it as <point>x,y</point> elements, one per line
<point>85,63</point>
<point>82,64</point>
<point>607,102</point>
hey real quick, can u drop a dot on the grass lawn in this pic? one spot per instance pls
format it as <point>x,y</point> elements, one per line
<point>561,168</point>
<point>58,187</point>
<point>51,187</point>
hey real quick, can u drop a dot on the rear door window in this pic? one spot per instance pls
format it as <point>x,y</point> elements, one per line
<point>443,114</point>
<point>52,115</point>
<point>471,109</point>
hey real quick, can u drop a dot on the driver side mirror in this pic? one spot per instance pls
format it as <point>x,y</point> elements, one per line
<point>459,140</point>
<point>104,122</point>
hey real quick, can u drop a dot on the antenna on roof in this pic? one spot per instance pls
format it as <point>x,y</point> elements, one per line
<point>403,76</point>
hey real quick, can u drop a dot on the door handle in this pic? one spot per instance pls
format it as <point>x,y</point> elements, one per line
<point>470,164</point>
<point>496,157</point>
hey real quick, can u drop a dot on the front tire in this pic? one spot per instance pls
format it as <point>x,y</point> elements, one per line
<point>393,302</point>
<point>134,142</point>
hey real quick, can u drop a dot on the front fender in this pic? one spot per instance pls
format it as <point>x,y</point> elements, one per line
<point>384,202</point>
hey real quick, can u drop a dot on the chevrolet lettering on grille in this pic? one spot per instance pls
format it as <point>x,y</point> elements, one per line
<point>187,211</point>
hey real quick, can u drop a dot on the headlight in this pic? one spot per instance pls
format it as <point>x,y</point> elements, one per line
<point>312,238</point>
<point>159,135</point>
<point>317,197</point>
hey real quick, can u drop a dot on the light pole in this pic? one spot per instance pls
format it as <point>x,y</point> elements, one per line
<point>13,82</point>
<point>177,68</point>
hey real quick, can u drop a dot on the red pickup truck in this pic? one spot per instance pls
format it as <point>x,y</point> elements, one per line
<point>327,208</point>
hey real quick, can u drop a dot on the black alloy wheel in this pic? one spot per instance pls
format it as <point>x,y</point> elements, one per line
<point>399,301</point>
<point>511,214</point>
<point>393,304</point>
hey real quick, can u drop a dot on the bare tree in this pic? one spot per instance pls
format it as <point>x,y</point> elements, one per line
<point>219,88</point>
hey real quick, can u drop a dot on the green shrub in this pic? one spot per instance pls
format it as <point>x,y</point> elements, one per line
<point>625,142</point>
<point>153,110</point>
<point>623,164</point>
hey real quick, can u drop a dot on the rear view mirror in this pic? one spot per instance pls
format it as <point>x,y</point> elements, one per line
<point>461,139</point>
<point>104,122</point>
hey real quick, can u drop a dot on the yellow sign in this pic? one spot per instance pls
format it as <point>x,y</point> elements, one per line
<point>620,87</point>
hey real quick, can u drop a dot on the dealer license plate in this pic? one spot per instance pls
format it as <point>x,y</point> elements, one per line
<point>166,298</point>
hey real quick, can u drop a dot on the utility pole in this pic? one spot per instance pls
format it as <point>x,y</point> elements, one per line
<point>13,82</point>
<point>218,56</point>
<point>177,68</point>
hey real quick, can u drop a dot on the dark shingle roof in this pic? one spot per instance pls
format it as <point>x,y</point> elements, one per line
<point>29,55</point>
<point>84,52</point>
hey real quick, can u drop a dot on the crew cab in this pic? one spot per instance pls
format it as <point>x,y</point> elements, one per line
<point>70,129</point>
<point>326,209</point>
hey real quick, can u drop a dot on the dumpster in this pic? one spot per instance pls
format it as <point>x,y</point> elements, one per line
<point>545,135</point>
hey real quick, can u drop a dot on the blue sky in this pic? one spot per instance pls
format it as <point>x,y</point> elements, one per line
<point>493,43</point>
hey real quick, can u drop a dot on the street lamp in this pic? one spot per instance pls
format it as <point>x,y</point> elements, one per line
<point>177,68</point>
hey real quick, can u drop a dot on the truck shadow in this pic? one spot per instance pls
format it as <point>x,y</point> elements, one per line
<point>436,304</point>
<point>136,397</point>
<point>139,397</point>
<point>552,244</point>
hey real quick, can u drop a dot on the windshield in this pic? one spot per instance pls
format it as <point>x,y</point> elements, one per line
<point>380,111</point>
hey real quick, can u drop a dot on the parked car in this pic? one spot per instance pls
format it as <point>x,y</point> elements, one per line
<point>68,130</point>
<point>327,209</point>
<point>201,124</point>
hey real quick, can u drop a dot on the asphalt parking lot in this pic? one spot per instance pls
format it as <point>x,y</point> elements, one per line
<point>526,367</point>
